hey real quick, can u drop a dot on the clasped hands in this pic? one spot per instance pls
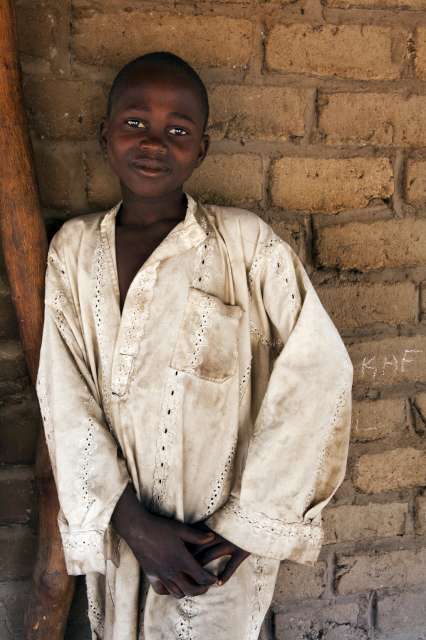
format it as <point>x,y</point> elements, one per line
<point>173,554</point>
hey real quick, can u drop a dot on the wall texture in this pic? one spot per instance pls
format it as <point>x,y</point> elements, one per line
<point>319,125</point>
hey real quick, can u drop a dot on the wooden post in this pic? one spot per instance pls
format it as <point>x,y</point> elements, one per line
<point>25,248</point>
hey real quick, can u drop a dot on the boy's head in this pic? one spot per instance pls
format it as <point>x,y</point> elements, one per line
<point>162,61</point>
<point>154,133</point>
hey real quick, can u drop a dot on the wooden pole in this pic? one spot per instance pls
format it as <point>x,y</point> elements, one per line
<point>24,245</point>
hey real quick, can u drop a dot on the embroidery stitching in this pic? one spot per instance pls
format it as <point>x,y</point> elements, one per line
<point>58,267</point>
<point>204,255</point>
<point>167,435</point>
<point>133,330</point>
<point>271,252</point>
<point>83,544</point>
<point>99,310</point>
<point>199,339</point>
<point>186,611</point>
<point>95,610</point>
<point>88,446</point>
<point>272,344</point>
<point>245,379</point>
<point>55,297</point>
<point>217,489</point>
<point>256,617</point>
<point>277,529</point>
<point>46,417</point>
<point>341,402</point>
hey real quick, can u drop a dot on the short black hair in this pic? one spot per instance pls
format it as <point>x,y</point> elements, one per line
<point>167,60</point>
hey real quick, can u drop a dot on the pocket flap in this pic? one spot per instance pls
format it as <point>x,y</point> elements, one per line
<point>207,344</point>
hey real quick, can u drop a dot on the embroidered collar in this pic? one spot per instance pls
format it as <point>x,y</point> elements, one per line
<point>194,215</point>
<point>186,234</point>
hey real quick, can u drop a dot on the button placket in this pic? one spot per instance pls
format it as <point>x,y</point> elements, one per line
<point>133,323</point>
<point>169,426</point>
<point>124,369</point>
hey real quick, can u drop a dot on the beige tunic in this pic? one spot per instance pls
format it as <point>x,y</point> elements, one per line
<point>222,391</point>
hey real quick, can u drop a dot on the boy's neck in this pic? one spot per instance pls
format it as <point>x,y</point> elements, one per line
<point>137,211</point>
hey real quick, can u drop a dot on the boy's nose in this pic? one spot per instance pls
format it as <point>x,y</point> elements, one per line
<point>152,142</point>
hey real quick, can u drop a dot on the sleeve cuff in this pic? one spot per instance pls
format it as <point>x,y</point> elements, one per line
<point>87,550</point>
<point>84,551</point>
<point>257,533</point>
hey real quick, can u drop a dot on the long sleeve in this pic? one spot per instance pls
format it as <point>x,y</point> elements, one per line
<point>89,474</point>
<point>297,453</point>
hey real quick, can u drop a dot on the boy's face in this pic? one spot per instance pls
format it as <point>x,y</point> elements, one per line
<point>154,135</point>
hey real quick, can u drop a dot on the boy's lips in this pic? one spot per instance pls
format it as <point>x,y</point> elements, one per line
<point>150,167</point>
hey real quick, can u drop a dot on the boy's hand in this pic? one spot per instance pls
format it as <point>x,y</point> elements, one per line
<point>217,548</point>
<point>159,545</point>
<point>160,548</point>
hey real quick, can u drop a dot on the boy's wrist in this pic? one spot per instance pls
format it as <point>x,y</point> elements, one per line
<point>137,526</point>
<point>129,516</point>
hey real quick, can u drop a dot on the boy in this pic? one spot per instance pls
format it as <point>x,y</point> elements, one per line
<point>194,393</point>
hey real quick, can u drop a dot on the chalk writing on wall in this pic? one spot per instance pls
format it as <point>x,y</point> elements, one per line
<point>388,365</point>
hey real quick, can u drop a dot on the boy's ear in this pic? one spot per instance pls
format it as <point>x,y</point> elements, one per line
<point>204,147</point>
<point>103,134</point>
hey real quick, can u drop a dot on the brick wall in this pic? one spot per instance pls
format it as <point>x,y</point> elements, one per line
<point>319,125</point>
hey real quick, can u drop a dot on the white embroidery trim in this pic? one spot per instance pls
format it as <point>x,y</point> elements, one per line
<point>185,612</point>
<point>256,617</point>
<point>96,610</point>
<point>88,446</point>
<point>170,411</point>
<point>132,332</point>
<point>222,479</point>
<point>263,524</point>
<point>199,339</point>
<point>83,541</point>
<point>341,402</point>
<point>272,344</point>
<point>269,252</point>
<point>244,382</point>
<point>204,255</point>
<point>99,312</point>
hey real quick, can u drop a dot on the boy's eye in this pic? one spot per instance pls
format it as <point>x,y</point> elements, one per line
<point>178,131</point>
<point>135,123</point>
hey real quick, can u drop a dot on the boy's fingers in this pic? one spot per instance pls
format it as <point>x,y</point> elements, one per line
<point>212,553</point>
<point>159,587</point>
<point>173,589</point>
<point>195,536</point>
<point>231,566</point>
<point>189,587</point>
<point>199,575</point>
<point>201,526</point>
<point>198,548</point>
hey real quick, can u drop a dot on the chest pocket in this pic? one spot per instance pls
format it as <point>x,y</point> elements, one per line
<point>207,343</point>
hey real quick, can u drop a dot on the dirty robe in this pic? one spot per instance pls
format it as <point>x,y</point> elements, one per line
<point>222,392</point>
